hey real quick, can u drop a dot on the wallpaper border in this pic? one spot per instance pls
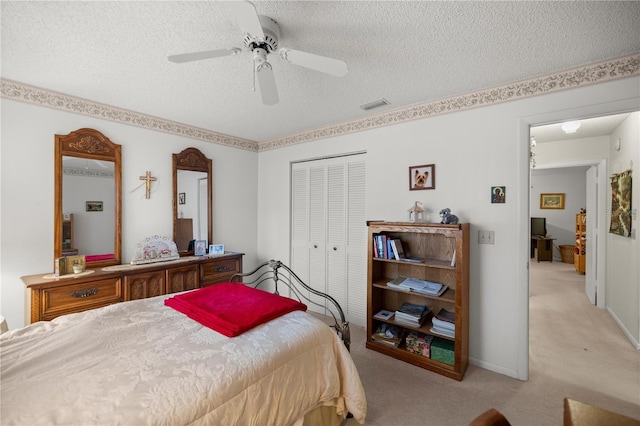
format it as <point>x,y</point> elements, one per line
<point>624,67</point>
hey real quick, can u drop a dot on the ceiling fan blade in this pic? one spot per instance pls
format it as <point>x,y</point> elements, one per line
<point>247,18</point>
<point>315,62</point>
<point>197,56</point>
<point>267,83</point>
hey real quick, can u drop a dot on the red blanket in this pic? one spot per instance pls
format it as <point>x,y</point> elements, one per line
<point>231,309</point>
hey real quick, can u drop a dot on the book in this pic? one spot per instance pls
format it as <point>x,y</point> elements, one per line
<point>447,316</point>
<point>398,250</point>
<point>443,324</point>
<point>412,310</point>
<point>384,315</point>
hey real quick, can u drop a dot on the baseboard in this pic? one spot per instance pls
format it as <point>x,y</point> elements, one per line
<point>632,340</point>
<point>495,368</point>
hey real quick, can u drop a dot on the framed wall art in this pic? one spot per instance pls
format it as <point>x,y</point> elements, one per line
<point>94,206</point>
<point>182,198</point>
<point>498,194</point>
<point>422,177</point>
<point>552,201</point>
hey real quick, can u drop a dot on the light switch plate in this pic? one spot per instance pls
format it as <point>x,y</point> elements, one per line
<point>486,237</point>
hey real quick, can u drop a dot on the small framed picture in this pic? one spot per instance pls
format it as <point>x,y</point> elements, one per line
<point>498,194</point>
<point>200,248</point>
<point>182,198</point>
<point>94,206</point>
<point>216,249</point>
<point>422,177</point>
<point>552,201</point>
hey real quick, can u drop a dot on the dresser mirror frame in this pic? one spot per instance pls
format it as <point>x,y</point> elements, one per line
<point>88,144</point>
<point>192,159</point>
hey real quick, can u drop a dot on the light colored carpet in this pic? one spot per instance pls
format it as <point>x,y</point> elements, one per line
<point>576,351</point>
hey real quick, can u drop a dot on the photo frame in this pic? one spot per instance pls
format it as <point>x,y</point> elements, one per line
<point>216,249</point>
<point>200,247</point>
<point>422,177</point>
<point>94,206</point>
<point>182,198</point>
<point>552,201</point>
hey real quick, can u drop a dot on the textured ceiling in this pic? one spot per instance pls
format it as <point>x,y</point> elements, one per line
<point>407,52</point>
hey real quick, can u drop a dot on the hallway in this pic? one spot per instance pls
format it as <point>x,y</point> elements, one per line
<point>577,345</point>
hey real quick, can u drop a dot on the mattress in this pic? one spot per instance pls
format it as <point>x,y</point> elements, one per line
<point>142,362</point>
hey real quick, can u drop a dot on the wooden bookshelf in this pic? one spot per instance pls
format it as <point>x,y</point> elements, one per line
<point>443,253</point>
<point>580,255</point>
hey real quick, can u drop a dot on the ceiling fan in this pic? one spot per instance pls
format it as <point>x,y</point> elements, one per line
<point>260,36</point>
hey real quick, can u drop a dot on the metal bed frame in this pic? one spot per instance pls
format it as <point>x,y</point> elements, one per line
<point>269,271</point>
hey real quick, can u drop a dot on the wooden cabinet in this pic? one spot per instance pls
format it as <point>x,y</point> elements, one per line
<point>219,269</point>
<point>50,297</point>
<point>440,254</point>
<point>580,256</point>
<point>183,279</point>
<point>145,284</point>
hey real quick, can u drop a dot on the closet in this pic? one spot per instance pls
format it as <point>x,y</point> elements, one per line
<point>329,231</point>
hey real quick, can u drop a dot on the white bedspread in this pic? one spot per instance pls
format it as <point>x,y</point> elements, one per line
<point>142,362</point>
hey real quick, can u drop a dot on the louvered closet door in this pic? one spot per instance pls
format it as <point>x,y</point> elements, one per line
<point>300,220</point>
<point>328,247</point>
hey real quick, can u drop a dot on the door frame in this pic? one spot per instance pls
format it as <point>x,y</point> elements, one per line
<point>523,208</point>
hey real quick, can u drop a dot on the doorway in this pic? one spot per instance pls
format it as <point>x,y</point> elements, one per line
<point>595,201</point>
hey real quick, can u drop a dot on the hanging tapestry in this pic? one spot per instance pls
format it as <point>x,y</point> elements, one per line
<point>621,204</point>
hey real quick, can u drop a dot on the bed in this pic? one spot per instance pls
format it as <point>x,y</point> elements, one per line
<point>143,362</point>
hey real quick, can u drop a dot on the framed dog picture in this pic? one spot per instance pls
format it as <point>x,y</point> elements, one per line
<point>422,177</point>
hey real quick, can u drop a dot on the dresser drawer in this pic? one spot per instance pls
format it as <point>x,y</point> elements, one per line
<point>219,270</point>
<point>79,297</point>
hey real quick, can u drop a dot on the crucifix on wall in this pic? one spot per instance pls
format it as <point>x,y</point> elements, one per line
<point>148,179</point>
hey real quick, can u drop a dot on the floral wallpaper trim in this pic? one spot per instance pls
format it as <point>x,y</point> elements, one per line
<point>628,66</point>
<point>34,95</point>
<point>597,73</point>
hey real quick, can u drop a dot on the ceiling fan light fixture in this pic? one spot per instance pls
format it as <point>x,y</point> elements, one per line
<point>375,104</point>
<point>570,126</point>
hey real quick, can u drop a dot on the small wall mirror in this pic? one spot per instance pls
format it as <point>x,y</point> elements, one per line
<point>192,199</point>
<point>87,212</point>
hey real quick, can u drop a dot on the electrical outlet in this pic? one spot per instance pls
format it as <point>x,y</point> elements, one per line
<point>486,237</point>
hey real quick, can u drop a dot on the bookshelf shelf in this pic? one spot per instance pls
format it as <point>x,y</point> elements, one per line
<point>443,251</point>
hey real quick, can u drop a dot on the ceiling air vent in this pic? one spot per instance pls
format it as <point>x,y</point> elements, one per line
<point>375,104</point>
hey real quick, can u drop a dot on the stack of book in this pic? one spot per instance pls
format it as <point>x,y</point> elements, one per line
<point>444,323</point>
<point>388,334</point>
<point>418,286</point>
<point>412,315</point>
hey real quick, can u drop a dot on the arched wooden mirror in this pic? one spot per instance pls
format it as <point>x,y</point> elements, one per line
<point>87,215</point>
<point>192,199</point>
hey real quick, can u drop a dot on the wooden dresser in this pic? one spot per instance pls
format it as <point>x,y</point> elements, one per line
<point>51,297</point>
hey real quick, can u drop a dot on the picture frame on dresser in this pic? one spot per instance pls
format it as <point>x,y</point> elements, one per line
<point>200,248</point>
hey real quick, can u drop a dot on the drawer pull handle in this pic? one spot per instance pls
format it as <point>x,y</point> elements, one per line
<point>221,268</point>
<point>85,293</point>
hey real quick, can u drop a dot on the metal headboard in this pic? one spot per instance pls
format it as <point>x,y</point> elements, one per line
<point>269,271</point>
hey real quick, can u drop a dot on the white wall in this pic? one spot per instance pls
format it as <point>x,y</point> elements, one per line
<point>473,150</point>
<point>623,253</point>
<point>27,192</point>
